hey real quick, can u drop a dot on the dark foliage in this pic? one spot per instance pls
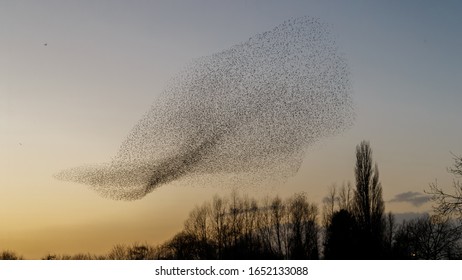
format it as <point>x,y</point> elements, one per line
<point>368,205</point>
<point>341,237</point>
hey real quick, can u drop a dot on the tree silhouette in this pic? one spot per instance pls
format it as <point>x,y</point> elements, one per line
<point>389,234</point>
<point>345,197</point>
<point>368,204</point>
<point>219,228</point>
<point>304,230</point>
<point>248,242</point>
<point>185,246</point>
<point>237,227</point>
<point>197,228</point>
<point>449,204</point>
<point>328,208</point>
<point>278,212</point>
<point>341,239</point>
<point>9,255</point>
<point>337,200</point>
<point>140,252</point>
<point>340,226</point>
<point>429,238</point>
<point>118,252</point>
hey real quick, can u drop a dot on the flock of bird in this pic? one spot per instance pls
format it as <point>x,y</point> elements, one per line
<point>251,110</point>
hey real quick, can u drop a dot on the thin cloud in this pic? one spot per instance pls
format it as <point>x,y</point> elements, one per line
<point>415,198</point>
<point>408,216</point>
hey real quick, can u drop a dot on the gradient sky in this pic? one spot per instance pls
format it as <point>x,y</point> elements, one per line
<point>73,101</point>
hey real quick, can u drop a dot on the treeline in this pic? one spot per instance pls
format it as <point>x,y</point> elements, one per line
<point>292,229</point>
<point>239,227</point>
<point>242,228</point>
<point>352,225</point>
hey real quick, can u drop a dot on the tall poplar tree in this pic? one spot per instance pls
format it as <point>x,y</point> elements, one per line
<point>368,204</point>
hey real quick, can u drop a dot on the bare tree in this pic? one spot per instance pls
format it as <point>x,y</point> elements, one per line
<point>278,210</point>
<point>234,219</point>
<point>345,197</point>
<point>249,223</point>
<point>335,201</point>
<point>140,252</point>
<point>449,204</point>
<point>457,168</point>
<point>237,227</point>
<point>197,222</point>
<point>9,255</point>
<point>390,228</point>
<point>429,238</point>
<point>219,228</point>
<point>183,246</point>
<point>118,252</point>
<point>304,230</point>
<point>265,226</point>
<point>328,206</point>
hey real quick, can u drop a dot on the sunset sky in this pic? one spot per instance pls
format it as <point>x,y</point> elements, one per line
<point>76,76</point>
